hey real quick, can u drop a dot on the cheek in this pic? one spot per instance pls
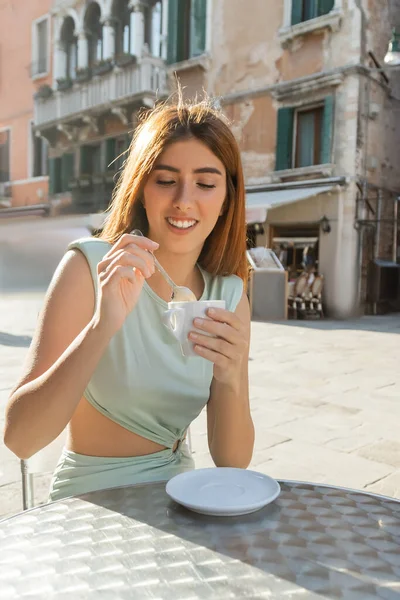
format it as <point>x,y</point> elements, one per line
<point>155,199</point>
<point>212,207</point>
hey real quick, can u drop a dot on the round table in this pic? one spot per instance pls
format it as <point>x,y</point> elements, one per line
<point>314,541</point>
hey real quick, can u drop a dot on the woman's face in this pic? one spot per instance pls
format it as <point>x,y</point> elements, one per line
<point>184,196</point>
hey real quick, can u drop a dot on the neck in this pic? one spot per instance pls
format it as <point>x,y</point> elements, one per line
<point>182,270</point>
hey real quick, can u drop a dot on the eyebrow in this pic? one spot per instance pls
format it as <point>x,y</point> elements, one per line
<point>175,170</point>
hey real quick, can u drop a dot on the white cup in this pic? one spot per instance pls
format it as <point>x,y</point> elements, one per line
<point>179,320</point>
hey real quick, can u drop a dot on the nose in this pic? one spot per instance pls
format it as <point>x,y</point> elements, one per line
<point>183,199</point>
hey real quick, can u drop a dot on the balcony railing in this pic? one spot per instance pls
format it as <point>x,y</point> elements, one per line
<point>115,87</point>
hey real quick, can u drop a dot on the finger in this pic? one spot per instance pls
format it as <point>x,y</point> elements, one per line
<point>134,263</point>
<point>217,345</point>
<point>216,358</point>
<point>225,316</point>
<point>128,238</point>
<point>119,272</point>
<point>216,328</point>
<point>140,259</point>
<point>131,249</point>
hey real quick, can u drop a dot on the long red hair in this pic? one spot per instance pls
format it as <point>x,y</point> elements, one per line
<point>224,251</point>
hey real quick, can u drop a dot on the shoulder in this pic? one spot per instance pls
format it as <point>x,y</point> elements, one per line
<point>229,288</point>
<point>92,248</point>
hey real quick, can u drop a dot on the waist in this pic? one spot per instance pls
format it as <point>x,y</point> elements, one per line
<point>76,473</point>
<point>93,434</point>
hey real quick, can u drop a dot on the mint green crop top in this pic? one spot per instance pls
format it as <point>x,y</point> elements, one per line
<point>142,381</point>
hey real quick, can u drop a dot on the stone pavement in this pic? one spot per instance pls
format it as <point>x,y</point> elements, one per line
<point>324,397</point>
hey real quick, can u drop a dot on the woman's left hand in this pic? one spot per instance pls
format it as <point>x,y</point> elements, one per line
<point>227,349</point>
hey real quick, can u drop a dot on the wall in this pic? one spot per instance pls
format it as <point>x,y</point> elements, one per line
<point>17,89</point>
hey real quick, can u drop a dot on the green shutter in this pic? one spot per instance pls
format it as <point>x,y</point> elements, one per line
<point>325,6</point>
<point>176,31</point>
<point>84,164</point>
<point>67,170</point>
<point>327,130</point>
<point>110,154</point>
<point>284,143</point>
<point>52,176</point>
<point>172,41</point>
<point>297,11</point>
<point>198,15</point>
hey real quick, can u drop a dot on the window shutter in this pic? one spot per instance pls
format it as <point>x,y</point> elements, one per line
<point>172,41</point>
<point>52,170</point>
<point>284,144</point>
<point>297,11</point>
<point>67,170</point>
<point>110,154</point>
<point>198,23</point>
<point>85,166</point>
<point>325,6</point>
<point>54,176</point>
<point>327,130</point>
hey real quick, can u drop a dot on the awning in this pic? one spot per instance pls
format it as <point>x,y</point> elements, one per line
<point>258,203</point>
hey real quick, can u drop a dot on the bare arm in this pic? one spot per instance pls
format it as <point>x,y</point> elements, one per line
<point>229,423</point>
<point>71,338</point>
<point>62,357</point>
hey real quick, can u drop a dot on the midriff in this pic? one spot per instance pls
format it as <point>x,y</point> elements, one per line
<point>93,434</point>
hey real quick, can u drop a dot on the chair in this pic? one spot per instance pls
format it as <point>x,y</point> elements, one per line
<point>316,295</point>
<point>297,299</point>
<point>43,461</point>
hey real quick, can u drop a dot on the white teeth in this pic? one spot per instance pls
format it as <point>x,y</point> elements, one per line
<point>181,224</point>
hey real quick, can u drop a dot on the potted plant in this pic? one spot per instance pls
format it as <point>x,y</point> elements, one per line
<point>45,91</point>
<point>102,66</point>
<point>82,74</point>
<point>125,58</point>
<point>64,83</point>
<point>85,180</point>
<point>73,183</point>
<point>110,177</point>
<point>97,178</point>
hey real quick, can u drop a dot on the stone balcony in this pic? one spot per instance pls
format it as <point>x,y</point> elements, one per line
<point>133,84</point>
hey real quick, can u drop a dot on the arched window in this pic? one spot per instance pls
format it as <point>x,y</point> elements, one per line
<point>122,23</point>
<point>70,45</point>
<point>94,31</point>
<point>152,36</point>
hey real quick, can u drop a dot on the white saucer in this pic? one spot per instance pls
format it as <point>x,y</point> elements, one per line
<point>223,491</point>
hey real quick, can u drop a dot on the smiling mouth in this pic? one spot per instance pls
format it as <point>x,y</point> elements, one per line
<point>182,224</point>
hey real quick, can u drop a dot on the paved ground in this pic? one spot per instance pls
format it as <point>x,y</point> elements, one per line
<point>324,397</point>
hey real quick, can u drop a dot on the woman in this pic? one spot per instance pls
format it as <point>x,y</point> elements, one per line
<point>101,360</point>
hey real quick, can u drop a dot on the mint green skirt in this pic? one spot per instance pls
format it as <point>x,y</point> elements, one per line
<point>77,474</point>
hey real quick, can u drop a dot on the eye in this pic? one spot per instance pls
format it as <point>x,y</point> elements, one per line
<point>205,186</point>
<point>165,183</point>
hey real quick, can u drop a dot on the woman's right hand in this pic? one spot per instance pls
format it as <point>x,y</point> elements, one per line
<point>121,275</point>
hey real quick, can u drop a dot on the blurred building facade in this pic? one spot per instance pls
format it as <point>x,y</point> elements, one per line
<point>319,129</point>
<point>315,119</point>
<point>25,65</point>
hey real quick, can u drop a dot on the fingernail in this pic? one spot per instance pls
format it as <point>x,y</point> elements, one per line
<point>154,244</point>
<point>198,322</point>
<point>211,311</point>
<point>193,335</point>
